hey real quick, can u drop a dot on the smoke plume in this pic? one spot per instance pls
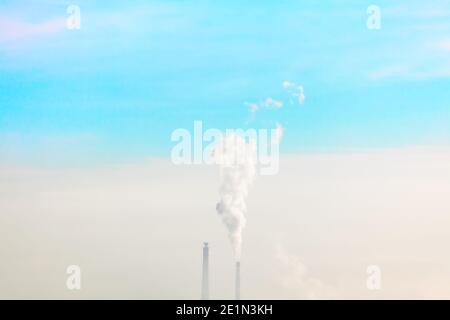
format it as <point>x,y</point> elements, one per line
<point>237,161</point>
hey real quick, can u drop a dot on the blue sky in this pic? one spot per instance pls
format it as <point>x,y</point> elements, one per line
<point>134,72</point>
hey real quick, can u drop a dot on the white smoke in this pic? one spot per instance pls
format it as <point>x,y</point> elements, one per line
<point>295,90</point>
<point>237,161</point>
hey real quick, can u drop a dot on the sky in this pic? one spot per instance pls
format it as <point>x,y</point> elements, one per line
<point>115,89</point>
<point>86,117</point>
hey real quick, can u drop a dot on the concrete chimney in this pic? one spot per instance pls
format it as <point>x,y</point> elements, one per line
<point>238,281</point>
<point>205,273</point>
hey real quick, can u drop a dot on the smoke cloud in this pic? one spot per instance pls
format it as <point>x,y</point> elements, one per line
<point>237,162</point>
<point>295,91</point>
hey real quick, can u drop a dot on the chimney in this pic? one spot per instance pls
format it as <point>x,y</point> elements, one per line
<point>238,281</point>
<point>205,273</point>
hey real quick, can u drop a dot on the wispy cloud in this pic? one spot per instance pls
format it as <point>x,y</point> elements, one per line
<point>410,73</point>
<point>430,60</point>
<point>18,29</point>
<point>388,72</point>
<point>418,12</point>
<point>443,45</point>
<point>296,280</point>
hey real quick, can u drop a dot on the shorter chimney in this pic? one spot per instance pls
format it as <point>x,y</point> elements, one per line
<point>205,272</point>
<point>238,281</point>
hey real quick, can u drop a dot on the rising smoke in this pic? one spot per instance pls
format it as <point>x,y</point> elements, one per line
<point>237,159</point>
<point>237,162</point>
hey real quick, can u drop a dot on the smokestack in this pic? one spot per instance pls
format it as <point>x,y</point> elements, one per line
<point>238,281</point>
<point>205,273</point>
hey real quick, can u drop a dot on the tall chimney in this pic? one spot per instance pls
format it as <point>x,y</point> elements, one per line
<point>205,273</point>
<point>238,281</point>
